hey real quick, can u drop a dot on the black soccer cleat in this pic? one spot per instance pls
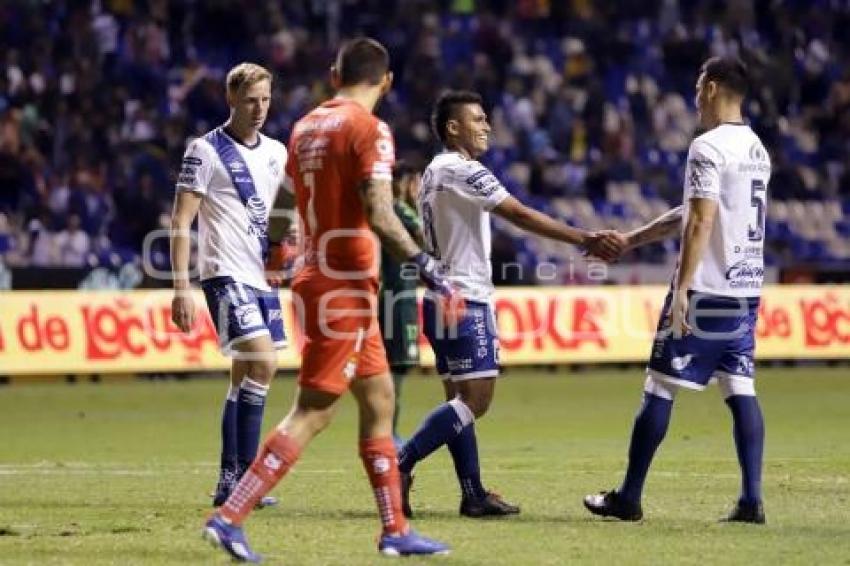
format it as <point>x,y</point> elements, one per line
<point>492,505</point>
<point>746,513</point>
<point>406,484</point>
<point>612,504</point>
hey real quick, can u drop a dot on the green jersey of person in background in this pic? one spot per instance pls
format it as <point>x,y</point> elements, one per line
<point>399,311</point>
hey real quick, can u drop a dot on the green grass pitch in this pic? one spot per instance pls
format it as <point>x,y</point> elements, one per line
<point>119,474</point>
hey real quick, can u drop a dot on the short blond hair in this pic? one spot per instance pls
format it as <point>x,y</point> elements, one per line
<point>244,75</point>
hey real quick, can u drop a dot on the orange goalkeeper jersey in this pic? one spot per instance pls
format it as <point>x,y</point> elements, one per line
<point>333,149</point>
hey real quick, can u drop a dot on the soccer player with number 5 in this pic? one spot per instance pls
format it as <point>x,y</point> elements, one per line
<point>707,327</point>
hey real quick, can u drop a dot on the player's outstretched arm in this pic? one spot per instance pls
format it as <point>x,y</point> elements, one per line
<point>606,245</point>
<point>665,226</point>
<point>186,205</point>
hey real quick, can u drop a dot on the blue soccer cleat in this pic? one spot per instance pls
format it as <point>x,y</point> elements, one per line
<point>410,544</point>
<point>229,538</point>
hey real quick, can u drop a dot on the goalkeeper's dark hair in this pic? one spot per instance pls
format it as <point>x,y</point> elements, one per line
<point>729,72</point>
<point>362,61</point>
<point>446,106</point>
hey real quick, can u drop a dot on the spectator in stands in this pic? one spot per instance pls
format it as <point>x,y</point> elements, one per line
<point>71,246</point>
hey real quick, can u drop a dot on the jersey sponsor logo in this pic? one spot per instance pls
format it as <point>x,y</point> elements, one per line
<point>328,124</point>
<point>745,275</point>
<point>236,166</point>
<point>257,215</point>
<point>248,316</point>
<point>754,251</point>
<point>192,160</point>
<point>681,362</point>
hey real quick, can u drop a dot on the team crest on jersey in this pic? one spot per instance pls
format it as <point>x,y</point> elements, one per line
<point>681,362</point>
<point>248,316</point>
<point>274,167</point>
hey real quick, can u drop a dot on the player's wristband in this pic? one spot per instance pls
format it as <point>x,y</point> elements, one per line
<point>430,275</point>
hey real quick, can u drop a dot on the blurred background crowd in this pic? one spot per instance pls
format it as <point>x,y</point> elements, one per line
<point>591,104</point>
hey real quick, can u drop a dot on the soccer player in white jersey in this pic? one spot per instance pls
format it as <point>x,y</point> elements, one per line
<point>707,327</point>
<point>229,179</point>
<point>456,198</point>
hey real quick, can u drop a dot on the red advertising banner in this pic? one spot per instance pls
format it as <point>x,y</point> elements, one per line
<point>50,332</point>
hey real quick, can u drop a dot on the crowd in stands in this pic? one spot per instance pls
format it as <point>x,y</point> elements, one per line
<point>591,104</point>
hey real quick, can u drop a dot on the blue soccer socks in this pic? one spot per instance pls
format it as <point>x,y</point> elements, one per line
<point>749,442</point>
<point>251,404</point>
<point>648,432</point>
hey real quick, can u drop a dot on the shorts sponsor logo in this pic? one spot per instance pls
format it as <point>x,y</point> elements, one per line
<point>350,369</point>
<point>461,364</point>
<point>248,316</point>
<point>681,362</point>
<point>275,314</point>
<point>191,160</point>
<point>745,365</point>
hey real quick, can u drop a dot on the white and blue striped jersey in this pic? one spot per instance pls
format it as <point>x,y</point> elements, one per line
<point>227,242</point>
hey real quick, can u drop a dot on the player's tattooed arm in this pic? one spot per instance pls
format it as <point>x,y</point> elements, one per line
<point>665,226</point>
<point>377,198</point>
<point>282,220</point>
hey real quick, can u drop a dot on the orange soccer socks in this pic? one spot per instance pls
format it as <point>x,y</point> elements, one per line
<point>276,456</point>
<point>379,459</point>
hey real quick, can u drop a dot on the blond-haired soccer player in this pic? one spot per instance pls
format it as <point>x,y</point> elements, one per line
<point>229,179</point>
<point>340,176</point>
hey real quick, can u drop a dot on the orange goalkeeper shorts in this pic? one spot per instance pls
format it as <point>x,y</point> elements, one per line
<point>342,339</point>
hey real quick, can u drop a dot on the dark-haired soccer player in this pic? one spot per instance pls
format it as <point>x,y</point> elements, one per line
<point>457,195</point>
<point>707,327</point>
<point>339,177</point>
